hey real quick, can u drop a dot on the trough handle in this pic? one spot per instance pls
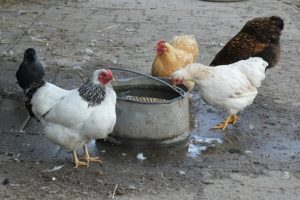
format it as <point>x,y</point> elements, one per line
<point>180,91</point>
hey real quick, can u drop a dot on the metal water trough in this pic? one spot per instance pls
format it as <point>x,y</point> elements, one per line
<point>150,112</point>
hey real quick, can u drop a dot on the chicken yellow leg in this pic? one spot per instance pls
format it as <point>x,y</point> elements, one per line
<point>230,119</point>
<point>87,158</point>
<point>77,162</point>
<point>235,119</point>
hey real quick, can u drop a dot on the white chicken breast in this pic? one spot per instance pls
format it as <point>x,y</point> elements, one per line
<point>229,87</point>
<point>72,118</point>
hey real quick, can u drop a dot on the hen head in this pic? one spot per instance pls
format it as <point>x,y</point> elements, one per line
<point>29,55</point>
<point>102,76</point>
<point>161,47</point>
<point>177,78</point>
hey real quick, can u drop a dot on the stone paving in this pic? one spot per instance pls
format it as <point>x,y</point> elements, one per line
<point>90,33</point>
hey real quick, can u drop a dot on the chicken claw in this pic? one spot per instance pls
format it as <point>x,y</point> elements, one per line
<point>87,158</point>
<point>91,159</point>
<point>77,162</point>
<point>231,119</point>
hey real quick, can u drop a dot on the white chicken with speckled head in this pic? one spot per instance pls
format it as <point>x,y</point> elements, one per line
<point>229,87</point>
<point>72,118</point>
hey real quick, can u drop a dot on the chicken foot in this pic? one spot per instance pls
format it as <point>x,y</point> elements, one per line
<point>235,119</point>
<point>232,119</point>
<point>77,162</point>
<point>87,158</point>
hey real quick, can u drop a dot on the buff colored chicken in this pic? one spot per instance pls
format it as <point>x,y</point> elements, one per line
<point>170,57</point>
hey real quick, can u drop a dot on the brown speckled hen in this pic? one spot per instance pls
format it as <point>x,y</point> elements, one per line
<point>260,37</point>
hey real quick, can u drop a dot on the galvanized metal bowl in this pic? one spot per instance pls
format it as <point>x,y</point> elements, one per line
<point>150,113</point>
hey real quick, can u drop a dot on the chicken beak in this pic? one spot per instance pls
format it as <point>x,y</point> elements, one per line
<point>173,82</point>
<point>113,76</point>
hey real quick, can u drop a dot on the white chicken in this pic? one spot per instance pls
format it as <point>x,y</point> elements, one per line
<point>72,118</point>
<point>229,87</point>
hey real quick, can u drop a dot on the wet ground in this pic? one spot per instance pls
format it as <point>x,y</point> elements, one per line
<point>259,159</point>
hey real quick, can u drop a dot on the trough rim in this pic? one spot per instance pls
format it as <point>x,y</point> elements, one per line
<point>182,96</point>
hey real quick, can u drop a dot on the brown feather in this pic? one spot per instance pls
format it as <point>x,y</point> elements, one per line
<point>259,37</point>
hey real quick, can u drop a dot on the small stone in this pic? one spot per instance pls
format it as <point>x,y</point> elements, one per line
<point>206,177</point>
<point>280,147</point>
<point>209,110</point>
<point>76,67</point>
<point>22,26</point>
<point>233,150</point>
<point>61,196</point>
<point>115,60</point>
<point>93,43</point>
<point>282,189</point>
<point>21,12</point>
<point>248,152</point>
<point>53,178</point>
<point>40,24</point>
<point>131,187</point>
<point>251,127</point>
<point>214,43</point>
<point>121,191</point>
<point>129,29</point>
<point>207,181</point>
<point>4,53</point>
<point>14,185</point>
<point>286,175</point>
<point>279,101</point>
<point>86,58</point>
<point>89,51</point>
<point>99,173</point>
<point>140,156</point>
<point>181,173</point>
<point>221,44</point>
<point>5,181</point>
<point>9,154</point>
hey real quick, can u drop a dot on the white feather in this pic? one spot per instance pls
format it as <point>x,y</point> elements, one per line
<point>228,87</point>
<point>68,120</point>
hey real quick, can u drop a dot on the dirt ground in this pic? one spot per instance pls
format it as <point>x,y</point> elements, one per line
<point>259,159</point>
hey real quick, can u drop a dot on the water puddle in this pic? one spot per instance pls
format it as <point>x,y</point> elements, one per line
<point>15,113</point>
<point>197,144</point>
